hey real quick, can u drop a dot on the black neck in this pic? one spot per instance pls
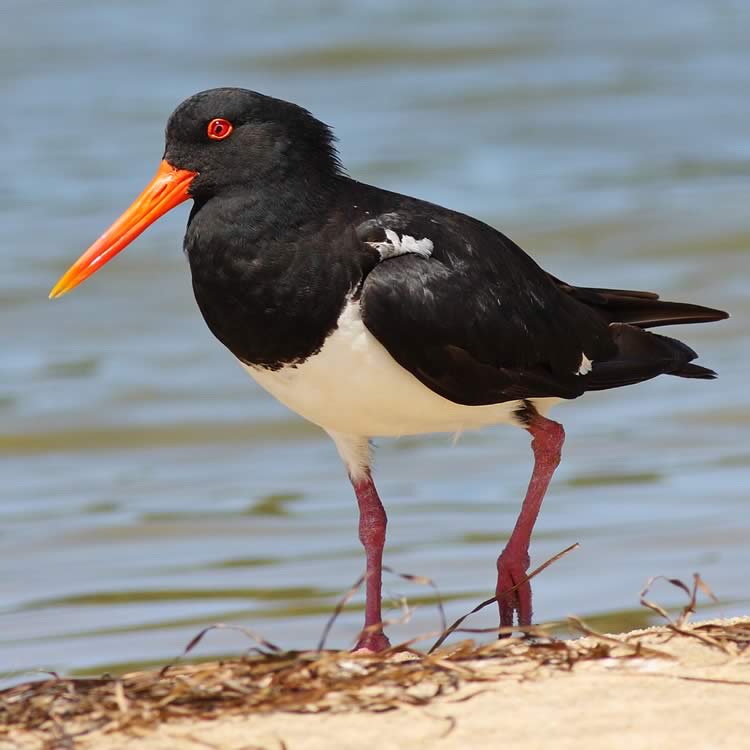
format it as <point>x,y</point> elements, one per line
<point>272,276</point>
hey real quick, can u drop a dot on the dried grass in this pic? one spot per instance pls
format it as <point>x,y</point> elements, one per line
<point>59,711</point>
<point>302,682</point>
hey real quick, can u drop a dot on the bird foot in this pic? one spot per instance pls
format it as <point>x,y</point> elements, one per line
<point>372,643</point>
<point>511,570</point>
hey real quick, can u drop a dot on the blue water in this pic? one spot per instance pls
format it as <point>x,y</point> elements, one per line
<point>148,487</point>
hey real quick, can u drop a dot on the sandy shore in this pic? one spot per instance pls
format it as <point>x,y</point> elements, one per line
<point>647,689</point>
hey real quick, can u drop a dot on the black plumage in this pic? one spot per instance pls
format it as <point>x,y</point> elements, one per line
<point>478,321</point>
<point>489,325</point>
<point>289,254</point>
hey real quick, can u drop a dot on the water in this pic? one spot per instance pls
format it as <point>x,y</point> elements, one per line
<point>148,488</point>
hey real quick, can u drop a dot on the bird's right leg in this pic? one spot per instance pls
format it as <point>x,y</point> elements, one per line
<point>355,452</point>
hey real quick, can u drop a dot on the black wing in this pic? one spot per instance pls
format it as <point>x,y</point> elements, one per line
<point>479,322</point>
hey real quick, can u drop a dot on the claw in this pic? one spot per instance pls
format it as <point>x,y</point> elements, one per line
<point>511,570</point>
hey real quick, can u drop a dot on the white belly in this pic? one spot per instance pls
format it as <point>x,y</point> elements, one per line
<point>354,386</point>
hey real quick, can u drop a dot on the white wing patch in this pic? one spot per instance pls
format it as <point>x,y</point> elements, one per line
<point>395,245</point>
<point>585,366</point>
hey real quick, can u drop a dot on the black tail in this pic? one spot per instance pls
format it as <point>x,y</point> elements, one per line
<point>642,309</point>
<point>642,355</point>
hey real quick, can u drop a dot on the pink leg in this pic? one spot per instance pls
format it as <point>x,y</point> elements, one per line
<point>372,522</point>
<point>547,439</point>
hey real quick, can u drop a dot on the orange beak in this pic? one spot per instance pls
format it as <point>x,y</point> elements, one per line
<point>168,189</point>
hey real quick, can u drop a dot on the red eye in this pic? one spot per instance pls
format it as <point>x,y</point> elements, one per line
<point>219,129</point>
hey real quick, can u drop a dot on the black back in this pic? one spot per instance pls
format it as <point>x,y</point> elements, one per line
<point>279,241</point>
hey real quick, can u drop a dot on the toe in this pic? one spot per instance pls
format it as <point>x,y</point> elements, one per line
<point>372,643</point>
<point>511,570</point>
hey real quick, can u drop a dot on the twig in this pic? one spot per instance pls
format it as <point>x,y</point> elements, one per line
<point>493,599</point>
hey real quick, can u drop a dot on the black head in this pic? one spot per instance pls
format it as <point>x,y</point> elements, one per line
<point>221,142</point>
<point>236,137</point>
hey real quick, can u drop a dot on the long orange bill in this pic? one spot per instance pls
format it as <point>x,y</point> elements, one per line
<point>168,189</point>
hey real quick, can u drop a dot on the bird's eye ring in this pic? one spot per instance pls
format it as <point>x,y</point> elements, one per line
<point>219,129</point>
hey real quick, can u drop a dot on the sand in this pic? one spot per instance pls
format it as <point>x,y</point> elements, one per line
<point>660,689</point>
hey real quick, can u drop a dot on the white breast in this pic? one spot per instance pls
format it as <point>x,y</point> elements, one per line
<point>354,386</point>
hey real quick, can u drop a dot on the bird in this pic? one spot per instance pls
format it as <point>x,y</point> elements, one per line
<point>375,314</point>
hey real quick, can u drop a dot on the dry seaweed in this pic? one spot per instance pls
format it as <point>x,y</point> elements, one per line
<point>59,711</point>
<point>62,709</point>
<point>677,627</point>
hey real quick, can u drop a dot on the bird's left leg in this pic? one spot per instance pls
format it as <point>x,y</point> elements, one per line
<point>546,441</point>
<point>355,453</point>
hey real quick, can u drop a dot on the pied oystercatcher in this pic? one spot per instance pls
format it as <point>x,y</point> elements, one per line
<point>371,313</point>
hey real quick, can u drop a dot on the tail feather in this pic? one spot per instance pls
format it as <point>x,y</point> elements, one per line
<point>642,309</point>
<point>641,356</point>
<point>697,372</point>
<point>654,313</point>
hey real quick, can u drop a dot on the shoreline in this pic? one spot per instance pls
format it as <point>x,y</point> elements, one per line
<point>665,686</point>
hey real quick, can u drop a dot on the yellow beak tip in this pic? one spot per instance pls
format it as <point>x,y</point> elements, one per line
<point>57,291</point>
